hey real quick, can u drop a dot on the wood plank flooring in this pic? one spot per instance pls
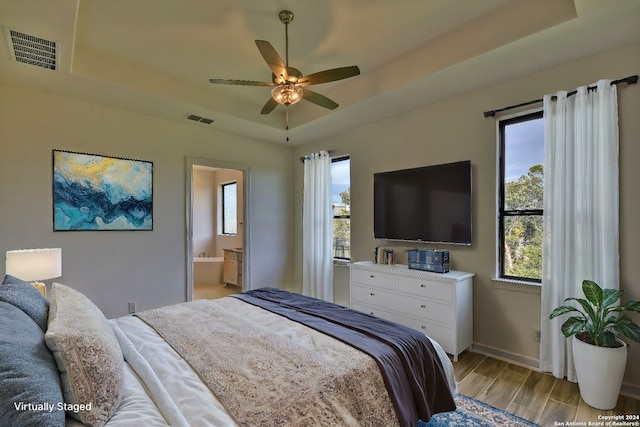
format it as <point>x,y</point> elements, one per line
<point>531,395</point>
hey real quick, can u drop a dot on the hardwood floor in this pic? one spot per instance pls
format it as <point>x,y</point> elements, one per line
<point>531,395</point>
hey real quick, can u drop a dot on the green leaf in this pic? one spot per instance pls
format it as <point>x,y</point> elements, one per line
<point>611,296</point>
<point>592,292</point>
<point>632,306</point>
<point>609,323</point>
<point>630,330</point>
<point>589,312</point>
<point>572,326</point>
<point>613,313</point>
<point>563,309</point>
<point>606,339</point>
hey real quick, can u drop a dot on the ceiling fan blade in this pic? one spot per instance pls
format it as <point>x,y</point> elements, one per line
<point>318,99</point>
<point>331,75</point>
<point>269,106</point>
<point>240,82</point>
<point>272,59</point>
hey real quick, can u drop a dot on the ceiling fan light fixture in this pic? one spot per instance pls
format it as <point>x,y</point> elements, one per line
<point>287,94</point>
<point>288,82</point>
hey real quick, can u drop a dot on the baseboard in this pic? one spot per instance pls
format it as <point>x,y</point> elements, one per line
<point>532,363</point>
<point>630,391</point>
<point>516,359</point>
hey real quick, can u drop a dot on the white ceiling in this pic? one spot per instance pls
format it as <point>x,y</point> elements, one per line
<point>156,56</point>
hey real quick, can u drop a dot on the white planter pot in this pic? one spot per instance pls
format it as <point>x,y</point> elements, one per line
<point>600,371</point>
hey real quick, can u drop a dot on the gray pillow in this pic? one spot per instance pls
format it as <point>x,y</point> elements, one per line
<point>27,298</point>
<point>28,373</point>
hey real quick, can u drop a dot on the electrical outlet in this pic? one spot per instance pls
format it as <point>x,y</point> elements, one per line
<point>535,335</point>
<point>132,307</point>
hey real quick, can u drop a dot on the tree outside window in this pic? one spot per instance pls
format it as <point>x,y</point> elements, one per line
<point>521,195</point>
<point>341,207</point>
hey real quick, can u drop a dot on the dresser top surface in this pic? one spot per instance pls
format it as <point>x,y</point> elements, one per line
<point>403,269</point>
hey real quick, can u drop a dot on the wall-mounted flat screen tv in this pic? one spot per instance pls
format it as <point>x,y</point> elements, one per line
<point>426,204</point>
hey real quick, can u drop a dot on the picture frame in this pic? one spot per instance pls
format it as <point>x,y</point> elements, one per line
<point>101,193</point>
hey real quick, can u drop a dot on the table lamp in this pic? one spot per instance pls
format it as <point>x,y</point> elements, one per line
<point>35,264</point>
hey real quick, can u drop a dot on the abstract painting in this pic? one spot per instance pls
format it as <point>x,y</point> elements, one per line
<point>93,192</point>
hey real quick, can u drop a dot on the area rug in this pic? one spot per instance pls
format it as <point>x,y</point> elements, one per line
<point>473,413</point>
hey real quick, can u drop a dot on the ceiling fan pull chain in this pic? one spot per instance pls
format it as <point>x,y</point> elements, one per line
<point>287,121</point>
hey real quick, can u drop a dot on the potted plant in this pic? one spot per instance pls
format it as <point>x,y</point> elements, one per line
<point>599,355</point>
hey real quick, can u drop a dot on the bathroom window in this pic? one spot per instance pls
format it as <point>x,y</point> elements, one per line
<point>230,208</point>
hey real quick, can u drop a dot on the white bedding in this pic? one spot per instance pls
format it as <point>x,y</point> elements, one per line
<point>163,390</point>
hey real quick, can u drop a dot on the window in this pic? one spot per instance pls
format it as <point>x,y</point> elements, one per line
<point>520,197</point>
<point>230,208</point>
<point>341,207</point>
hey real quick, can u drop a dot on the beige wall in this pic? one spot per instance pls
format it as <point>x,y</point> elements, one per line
<point>455,129</point>
<point>148,267</point>
<point>204,212</point>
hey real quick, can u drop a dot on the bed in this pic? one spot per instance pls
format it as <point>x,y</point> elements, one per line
<point>263,358</point>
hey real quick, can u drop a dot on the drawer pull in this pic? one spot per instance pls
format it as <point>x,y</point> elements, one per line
<point>372,294</point>
<point>423,306</point>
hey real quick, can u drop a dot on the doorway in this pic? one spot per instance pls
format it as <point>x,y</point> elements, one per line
<point>216,210</point>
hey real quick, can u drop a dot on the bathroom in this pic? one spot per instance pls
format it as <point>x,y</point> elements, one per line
<point>217,231</point>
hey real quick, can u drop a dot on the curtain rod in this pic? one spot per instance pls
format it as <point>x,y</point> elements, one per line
<point>303,158</point>
<point>628,80</point>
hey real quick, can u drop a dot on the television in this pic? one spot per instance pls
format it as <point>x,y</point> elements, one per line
<point>429,204</point>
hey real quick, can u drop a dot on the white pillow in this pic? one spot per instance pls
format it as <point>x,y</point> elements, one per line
<point>87,355</point>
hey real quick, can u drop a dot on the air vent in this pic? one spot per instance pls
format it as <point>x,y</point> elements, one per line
<point>199,119</point>
<point>32,50</point>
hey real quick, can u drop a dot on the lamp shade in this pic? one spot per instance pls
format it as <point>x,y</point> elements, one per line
<point>35,264</point>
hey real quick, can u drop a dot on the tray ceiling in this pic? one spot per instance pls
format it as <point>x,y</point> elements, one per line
<point>156,57</point>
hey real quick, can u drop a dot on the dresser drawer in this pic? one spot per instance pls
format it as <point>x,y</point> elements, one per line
<point>369,296</point>
<point>425,309</point>
<point>375,311</point>
<point>442,334</point>
<point>402,304</point>
<point>426,288</point>
<point>374,278</point>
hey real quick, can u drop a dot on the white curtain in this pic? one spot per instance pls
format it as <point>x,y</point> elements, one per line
<point>317,216</point>
<point>580,209</point>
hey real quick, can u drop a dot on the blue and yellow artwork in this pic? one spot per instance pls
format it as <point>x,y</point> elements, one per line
<point>92,192</point>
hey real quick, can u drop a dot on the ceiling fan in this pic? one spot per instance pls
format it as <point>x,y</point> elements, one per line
<point>289,84</point>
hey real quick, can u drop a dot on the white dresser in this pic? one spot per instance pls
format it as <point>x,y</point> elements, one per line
<point>438,304</point>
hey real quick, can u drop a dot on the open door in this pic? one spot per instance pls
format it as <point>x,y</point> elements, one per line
<point>209,239</point>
